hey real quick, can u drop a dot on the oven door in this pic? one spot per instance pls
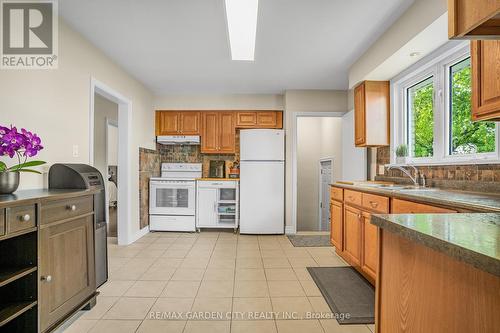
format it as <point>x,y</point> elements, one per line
<point>170,197</point>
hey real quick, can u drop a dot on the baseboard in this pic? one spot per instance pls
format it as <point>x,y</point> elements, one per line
<point>290,230</point>
<point>139,234</point>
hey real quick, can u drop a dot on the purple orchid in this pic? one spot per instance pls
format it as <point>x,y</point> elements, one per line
<point>24,144</point>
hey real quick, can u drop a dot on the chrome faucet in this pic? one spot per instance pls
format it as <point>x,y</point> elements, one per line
<point>406,172</point>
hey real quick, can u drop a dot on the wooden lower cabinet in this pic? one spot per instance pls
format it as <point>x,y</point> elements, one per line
<point>66,268</point>
<point>369,247</point>
<point>336,212</point>
<point>352,235</point>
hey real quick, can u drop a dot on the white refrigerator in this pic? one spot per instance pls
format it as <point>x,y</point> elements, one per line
<point>262,181</point>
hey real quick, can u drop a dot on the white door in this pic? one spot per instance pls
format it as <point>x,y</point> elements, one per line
<point>206,214</point>
<point>262,145</point>
<point>262,197</point>
<point>325,179</point>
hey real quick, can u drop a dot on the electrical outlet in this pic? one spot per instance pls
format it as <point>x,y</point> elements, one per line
<point>381,169</point>
<point>75,150</point>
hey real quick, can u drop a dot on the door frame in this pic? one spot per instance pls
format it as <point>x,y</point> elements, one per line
<point>124,196</point>
<point>292,229</point>
<point>324,159</point>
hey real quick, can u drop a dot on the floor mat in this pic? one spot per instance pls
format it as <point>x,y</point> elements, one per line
<point>349,295</point>
<point>310,240</point>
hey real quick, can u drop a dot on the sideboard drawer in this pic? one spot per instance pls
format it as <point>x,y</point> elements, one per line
<point>2,222</point>
<point>20,218</point>
<point>67,208</point>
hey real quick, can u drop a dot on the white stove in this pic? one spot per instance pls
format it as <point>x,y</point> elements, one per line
<point>172,197</point>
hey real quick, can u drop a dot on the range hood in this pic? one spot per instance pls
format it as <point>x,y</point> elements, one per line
<point>178,139</point>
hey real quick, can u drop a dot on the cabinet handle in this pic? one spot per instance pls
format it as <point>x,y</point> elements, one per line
<point>47,278</point>
<point>359,216</point>
<point>373,204</point>
<point>25,217</point>
<point>71,207</point>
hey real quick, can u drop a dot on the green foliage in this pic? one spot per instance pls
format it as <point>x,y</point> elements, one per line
<point>466,136</point>
<point>465,133</point>
<point>402,150</point>
<point>423,120</point>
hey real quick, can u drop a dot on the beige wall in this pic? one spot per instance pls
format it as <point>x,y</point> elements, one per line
<point>317,138</point>
<point>219,102</point>
<point>55,104</point>
<point>300,102</point>
<point>103,109</point>
<point>422,28</point>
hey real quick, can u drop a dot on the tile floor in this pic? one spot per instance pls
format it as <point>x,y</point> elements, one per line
<point>176,282</point>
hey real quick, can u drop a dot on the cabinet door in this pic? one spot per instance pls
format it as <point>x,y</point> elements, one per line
<point>189,123</point>
<point>485,60</point>
<point>210,132</point>
<point>207,209</point>
<point>336,224</point>
<point>167,123</point>
<point>246,119</point>
<point>227,133</point>
<point>369,247</point>
<point>352,234</point>
<point>67,256</point>
<point>267,119</point>
<point>359,115</point>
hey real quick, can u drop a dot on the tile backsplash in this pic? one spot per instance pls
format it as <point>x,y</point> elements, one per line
<point>480,177</point>
<point>150,164</point>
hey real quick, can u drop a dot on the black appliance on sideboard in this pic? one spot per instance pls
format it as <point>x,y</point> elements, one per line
<point>82,176</point>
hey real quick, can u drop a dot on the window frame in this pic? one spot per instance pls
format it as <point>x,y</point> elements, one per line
<point>438,65</point>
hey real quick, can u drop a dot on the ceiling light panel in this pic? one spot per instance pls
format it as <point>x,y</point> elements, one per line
<point>242,27</point>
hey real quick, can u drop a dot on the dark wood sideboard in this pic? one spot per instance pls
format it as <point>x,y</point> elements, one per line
<point>47,270</point>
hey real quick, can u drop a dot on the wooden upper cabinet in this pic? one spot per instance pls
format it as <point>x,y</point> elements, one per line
<point>189,123</point>
<point>246,119</point>
<point>259,119</point>
<point>371,114</point>
<point>167,123</point>
<point>227,133</point>
<point>485,62</point>
<point>218,135</point>
<point>473,19</point>
<point>177,123</point>
<point>209,132</point>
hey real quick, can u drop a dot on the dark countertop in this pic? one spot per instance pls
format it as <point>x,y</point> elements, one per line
<point>473,238</point>
<point>22,196</point>
<point>475,201</point>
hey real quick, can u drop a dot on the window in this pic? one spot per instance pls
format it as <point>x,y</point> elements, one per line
<point>466,137</point>
<point>432,112</point>
<point>420,110</point>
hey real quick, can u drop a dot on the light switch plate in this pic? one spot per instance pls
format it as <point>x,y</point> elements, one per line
<point>75,150</point>
<point>381,169</point>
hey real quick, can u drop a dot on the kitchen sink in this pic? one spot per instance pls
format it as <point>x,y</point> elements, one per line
<point>397,187</point>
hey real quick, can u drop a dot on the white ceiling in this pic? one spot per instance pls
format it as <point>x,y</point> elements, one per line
<point>181,46</point>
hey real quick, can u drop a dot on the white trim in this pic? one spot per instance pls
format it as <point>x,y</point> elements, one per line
<point>139,234</point>
<point>292,229</point>
<point>114,123</point>
<point>437,65</point>
<point>124,174</point>
<point>320,182</point>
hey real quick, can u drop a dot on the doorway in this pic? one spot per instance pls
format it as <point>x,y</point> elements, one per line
<point>325,179</point>
<point>319,142</point>
<point>124,232</point>
<point>106,155</point>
